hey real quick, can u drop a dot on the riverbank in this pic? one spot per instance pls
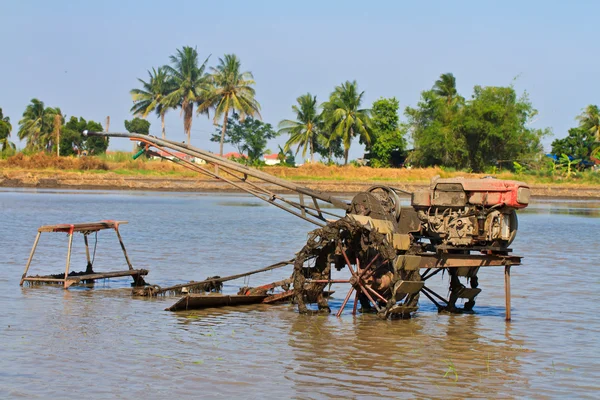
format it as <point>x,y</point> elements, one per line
<point>337,181</point>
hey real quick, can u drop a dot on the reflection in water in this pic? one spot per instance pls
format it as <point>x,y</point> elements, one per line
<point>100,342</point>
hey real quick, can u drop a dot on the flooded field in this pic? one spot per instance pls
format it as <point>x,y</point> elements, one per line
<point>102,343</point>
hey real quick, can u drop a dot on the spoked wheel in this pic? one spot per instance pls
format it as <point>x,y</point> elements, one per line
<point>378,282</point>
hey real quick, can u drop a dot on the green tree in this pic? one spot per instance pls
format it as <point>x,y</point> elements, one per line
<point>344,118</point>
<point>433,133</point>
<point>138,125</point>
<point>151,97</point>
<point>387,137</point>
<point>231,91</point>
<point>446,87</point>
<point>72,141</point>
<point>190,84</point>
<point>494,125</point>
<point>590,120</point>
<point>579,143</point>
<point>249,136</point>
<point>329,146</point>
<point>36,126</point>
<point>5,129</point>
<point>305,130</point>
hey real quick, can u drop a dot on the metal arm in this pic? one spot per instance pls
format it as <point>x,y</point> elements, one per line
<point>237,175</point>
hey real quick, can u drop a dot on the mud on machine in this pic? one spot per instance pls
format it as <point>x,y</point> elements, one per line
<point>456,225</point>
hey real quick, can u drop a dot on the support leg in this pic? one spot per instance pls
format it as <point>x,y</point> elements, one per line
<point>66,284</point>
<point>507,290</point>
<point>123,247</point>
<point>88,268</point>
<point>35,243</point>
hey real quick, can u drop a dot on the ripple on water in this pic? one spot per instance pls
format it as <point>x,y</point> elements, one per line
<point>100,342</point>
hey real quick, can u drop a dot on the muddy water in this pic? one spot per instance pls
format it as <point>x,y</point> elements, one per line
<point>101,343</point>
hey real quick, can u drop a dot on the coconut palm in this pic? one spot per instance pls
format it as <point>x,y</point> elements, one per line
<point>590,120</point>
<point>231,91</point>
<point>151,96</point>
<point>446,87</point>
<point>5,129</point>
<point>304,131</point>
<point>344,118</point>
<point>36,125</point>
<point>190,83</point>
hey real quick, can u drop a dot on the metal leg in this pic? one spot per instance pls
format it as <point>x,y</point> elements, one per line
<point>88,268</point>
<point>507,290</point>
<point>66,284</point>
<point>35,243</point>
<point>123,247</point>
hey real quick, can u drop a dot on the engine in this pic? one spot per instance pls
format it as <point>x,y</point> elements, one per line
<point>460,212</point>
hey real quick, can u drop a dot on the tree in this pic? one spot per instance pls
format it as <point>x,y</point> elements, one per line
<point>5,129</point>
<point>248,136</point>
<point>190,84</point>
<point>579,143</point>
<point>328,146</point>
<point>590,120</point>
<point>138,125</point>
<point>490,128</point>
<point>231,91</point>
<point>434,137</point>
<point>305,130</point>
<point>37,124</point>
<point>446,87</point>
<point>495,127</point>
<point>344,118</point>
<point>387,137</point>
<point>151,97</point>
<point>72,141</point>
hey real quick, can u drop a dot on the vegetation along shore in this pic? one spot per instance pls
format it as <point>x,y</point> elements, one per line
<point>445,134</point>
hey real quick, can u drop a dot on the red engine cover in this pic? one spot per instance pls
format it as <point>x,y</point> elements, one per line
<point>491,191</point>
<point>486,192</point>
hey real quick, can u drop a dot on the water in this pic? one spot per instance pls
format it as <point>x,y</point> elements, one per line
<point>101,343</point>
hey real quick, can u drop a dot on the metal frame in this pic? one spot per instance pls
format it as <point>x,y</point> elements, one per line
<point>85,229</point>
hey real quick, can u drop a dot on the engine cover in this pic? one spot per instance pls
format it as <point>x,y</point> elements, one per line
<point>471,212</point>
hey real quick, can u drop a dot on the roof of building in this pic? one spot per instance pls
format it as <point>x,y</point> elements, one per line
<point>234,154</point>
<point>273,156</point>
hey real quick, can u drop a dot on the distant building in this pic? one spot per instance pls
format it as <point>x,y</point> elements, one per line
<point>272,159</point>
<point>233,154</point>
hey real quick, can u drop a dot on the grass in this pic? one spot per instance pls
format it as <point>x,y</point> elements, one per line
<point>121,163</point>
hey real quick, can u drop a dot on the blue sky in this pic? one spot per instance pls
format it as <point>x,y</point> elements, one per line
<point>85,56</point>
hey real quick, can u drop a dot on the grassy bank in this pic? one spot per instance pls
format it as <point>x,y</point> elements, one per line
<point>123,165</point>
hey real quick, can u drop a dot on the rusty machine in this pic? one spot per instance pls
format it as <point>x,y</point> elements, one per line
<point>455,226</point>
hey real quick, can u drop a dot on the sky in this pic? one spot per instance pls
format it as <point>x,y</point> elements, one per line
<point>85,56</point>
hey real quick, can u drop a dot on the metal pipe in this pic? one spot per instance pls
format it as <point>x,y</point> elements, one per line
<point>35,243</point>
<point>68,258</point>
<point>123,247</point>
<point>507,290</point>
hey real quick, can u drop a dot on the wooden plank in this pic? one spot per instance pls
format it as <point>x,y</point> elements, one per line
<point>201,301</point>
<point>89,277</point>
<point>81,227</point>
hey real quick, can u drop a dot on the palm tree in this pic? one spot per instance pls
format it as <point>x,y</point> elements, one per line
<point>590,120</point>
<point>36,124</point>
<point>190,83</point>
<point>446,87</point>
<point>344,118</point>
<point>5,129</point>
<point>304,131</point>
<point>231,91</point>
<point>151,96</point>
